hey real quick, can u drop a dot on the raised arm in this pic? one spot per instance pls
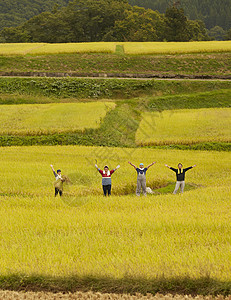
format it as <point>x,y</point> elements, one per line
<point>96,167</point>
<point>132,165</point>
<point>151,164</point>
<point>173,169</point>
<point>52,168</point>
<point>186,169</point>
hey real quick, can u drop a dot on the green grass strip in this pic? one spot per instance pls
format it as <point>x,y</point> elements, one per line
<point>132,285</point>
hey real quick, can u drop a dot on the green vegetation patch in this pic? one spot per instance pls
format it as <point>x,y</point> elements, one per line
<point>104,88</point>
<point>213,64</point>
<point>208,99</point>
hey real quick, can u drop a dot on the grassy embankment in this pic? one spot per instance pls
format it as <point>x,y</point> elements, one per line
<point>162,243</point>
<point>167,59</point>
<point>132,97</point>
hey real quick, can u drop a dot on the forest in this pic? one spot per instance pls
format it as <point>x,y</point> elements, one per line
<point>211,12</point>
<point>106,20</point>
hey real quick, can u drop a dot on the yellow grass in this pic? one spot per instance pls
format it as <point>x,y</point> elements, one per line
<point>176,47</point>
<point>109,47</point>
<point>43,48</point>
<point>19,48</point>
<point>186,126</point>
<point>52,118</point>
<point>166,236</point>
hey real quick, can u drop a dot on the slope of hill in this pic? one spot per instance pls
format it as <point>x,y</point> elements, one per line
<point>212,12</point>
<point>15,12</point>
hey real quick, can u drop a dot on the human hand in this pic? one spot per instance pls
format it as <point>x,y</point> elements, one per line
<point>118,167</point>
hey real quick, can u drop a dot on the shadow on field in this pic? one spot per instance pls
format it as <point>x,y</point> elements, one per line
<point>132,285</point>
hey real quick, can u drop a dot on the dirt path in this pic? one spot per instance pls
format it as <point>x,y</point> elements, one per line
<point>9,295</point>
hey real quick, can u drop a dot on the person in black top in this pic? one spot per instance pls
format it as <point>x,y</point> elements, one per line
<point>180,176</point>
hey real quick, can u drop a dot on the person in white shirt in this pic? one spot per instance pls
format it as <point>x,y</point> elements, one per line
<point>58,176</point>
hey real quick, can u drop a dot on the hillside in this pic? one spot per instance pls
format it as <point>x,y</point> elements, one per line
<point>212,12</point>
<point>16,12</point>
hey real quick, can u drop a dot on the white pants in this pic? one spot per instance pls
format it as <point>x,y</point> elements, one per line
<point>180,184</point>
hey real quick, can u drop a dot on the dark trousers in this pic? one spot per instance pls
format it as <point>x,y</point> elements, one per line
<point>58,191</point>
<point>107,189</point>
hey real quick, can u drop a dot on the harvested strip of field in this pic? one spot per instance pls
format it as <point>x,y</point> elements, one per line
<point>9,295</point>
<point>185,127</point>
<point>27,119</point>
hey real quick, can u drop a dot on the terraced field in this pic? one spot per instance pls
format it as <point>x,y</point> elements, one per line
<point>26,119</point>
<point>110,47</point>
<point>188,126</point>
<point>122,247</point>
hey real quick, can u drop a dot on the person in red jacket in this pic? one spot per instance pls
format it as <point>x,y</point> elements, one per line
<point>106,178</point>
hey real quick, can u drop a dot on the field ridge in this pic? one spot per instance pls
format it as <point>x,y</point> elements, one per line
<point>115,75</point>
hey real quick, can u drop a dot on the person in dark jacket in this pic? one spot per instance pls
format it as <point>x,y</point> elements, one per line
<point>180,176</point>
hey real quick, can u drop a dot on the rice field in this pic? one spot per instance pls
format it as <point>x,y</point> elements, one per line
<point>140,48</point>
<point>50,118</point>
<point>44,48</point>
<point>85,234</point>
<point>185,126</point>
<point>176,47</point>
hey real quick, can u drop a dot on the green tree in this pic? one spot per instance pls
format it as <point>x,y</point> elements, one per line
<point>217,33</point>
<point>15,35</point>
<point>176,25</point>
<point>228,35</point>
<point>138,25</point>
<point>197,31</point>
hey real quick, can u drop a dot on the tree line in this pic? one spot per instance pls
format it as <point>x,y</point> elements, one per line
<point>106,20</point>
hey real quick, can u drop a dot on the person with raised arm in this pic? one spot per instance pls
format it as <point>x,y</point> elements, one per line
<point>106,178</point>
<point>180,176</point>
<point>141,177</point>
<point>59,182</point>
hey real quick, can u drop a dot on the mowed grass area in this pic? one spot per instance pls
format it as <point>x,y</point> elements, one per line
<point>186,126</point>
<point>123,243</point>
<point>110,47</point>
<point>51,118</point>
